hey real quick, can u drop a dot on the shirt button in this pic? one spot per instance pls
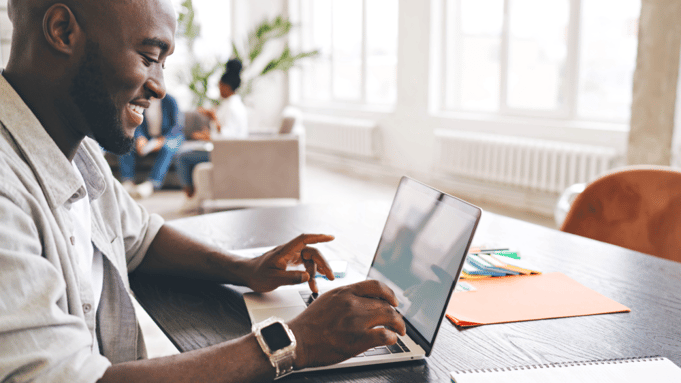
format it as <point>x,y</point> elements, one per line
<point>87,307</point>
<point>73,241</point>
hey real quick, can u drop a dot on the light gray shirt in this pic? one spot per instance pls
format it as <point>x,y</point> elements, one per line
<point>47,320</point>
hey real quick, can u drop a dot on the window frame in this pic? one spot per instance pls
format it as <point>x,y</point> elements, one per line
<point>451,70</point>
<point>300,40</point>
<point>5,34</point>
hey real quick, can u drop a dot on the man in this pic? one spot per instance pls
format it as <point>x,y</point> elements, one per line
<point>69,233</point>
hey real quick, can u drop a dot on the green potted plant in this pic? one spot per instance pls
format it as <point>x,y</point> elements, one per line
<point>267,32</point>
<point>250,53</point>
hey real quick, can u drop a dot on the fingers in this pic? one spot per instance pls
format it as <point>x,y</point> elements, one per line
<point>381,337</point>
<point>316,258</point>
<point>378,313</point>
<point>273,264</point>
<point>292,277</point>
<point>297,244</point>
<point>387,316</point>
<point>311,268</point>
<point>375,289</point>
<point>361,317</point>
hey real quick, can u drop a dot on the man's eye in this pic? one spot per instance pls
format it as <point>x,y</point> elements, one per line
<point>148,60</point>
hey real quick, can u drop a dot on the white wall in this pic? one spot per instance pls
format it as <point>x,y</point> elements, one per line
<point>270,93</point>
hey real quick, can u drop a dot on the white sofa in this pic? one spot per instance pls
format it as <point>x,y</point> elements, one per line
<point>255,170</point>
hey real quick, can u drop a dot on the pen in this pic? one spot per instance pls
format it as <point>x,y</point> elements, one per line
<point>486,250</point>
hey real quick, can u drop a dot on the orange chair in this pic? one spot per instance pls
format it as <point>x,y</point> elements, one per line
<point>636,207</point>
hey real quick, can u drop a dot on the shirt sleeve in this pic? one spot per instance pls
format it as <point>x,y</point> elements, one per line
<point>139,227</point>
<point>39,340</point>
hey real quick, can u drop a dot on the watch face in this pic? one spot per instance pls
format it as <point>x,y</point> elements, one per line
<point>275,336</point>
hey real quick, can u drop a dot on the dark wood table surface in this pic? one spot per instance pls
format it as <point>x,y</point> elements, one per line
<point>198,314</point>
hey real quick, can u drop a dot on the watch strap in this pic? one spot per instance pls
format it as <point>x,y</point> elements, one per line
<point>281,360</point>
<point>283,364</point>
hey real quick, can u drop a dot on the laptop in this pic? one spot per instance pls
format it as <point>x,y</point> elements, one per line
<point>419,256</point>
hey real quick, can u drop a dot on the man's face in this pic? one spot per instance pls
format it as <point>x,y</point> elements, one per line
<point>122,69</point>
<point>97,105</point>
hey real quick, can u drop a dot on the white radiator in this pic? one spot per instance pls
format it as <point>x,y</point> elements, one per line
<point>543,165</point>
<point>355,137</point>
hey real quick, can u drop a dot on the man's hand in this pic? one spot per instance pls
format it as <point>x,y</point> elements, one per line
<point>345,322</point>
<point>269,270</point>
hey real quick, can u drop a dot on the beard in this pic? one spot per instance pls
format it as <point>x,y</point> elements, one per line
<point>96,105</point>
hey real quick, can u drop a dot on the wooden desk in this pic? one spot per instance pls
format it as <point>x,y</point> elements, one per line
<point>197,314</point>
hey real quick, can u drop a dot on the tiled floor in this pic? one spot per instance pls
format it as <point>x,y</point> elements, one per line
<point>321,186</point>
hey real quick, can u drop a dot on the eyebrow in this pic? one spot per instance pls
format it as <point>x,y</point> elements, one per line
<point>154,42</point>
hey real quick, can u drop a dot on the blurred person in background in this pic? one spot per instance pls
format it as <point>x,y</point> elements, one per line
<point>160,132</point>
<point>230,120</point>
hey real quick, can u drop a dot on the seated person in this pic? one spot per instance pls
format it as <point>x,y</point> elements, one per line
<point>230,120</point>
<point>230,117</point>
<point>161,131</point>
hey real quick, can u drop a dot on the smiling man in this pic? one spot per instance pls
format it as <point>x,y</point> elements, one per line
<point>80,74</point>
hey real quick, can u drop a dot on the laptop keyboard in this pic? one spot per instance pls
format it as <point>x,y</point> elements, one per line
<point>397,348</point>
<point>308,297</point>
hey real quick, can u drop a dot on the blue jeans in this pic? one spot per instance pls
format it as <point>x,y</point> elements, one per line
<point>185,161</point>
<point>161,165</point>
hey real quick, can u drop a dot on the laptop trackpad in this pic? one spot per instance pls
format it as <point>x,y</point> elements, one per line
<point>276,298</point>
<point>285,313</point>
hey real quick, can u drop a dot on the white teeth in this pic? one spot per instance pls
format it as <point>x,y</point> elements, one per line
<point>136,108</point>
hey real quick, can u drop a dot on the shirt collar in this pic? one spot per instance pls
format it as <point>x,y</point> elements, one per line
<point>95,183</point>
<point>50,166</point>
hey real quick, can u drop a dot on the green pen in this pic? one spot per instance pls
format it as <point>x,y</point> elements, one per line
<point>509,254</point>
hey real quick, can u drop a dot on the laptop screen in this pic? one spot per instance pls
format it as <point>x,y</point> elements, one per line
<point>422,250</point>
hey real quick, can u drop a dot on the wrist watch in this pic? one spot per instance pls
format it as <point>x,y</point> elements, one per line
<point>278,343</point>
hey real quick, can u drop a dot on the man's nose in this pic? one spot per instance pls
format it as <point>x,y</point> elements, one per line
<point>156,83</point>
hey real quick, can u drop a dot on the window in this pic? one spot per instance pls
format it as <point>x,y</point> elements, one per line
<point>561,58</point>
<point>607,58</point>
<point>215,39</point>
<point>212,45</point>
<point>357,41</point>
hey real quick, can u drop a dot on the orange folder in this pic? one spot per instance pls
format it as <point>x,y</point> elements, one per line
<point>526,297</point>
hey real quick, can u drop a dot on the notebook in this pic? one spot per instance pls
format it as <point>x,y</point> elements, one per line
<point>420,255</point>
<point>632,370</point>
<point>527,297</point>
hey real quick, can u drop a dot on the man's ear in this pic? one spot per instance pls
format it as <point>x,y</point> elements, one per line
<point>61,29</point>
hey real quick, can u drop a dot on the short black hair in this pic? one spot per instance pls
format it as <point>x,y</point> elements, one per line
<point>232,75</point>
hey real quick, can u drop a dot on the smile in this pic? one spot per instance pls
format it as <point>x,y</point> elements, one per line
<point>136,114</point>
<point>136,108</point>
